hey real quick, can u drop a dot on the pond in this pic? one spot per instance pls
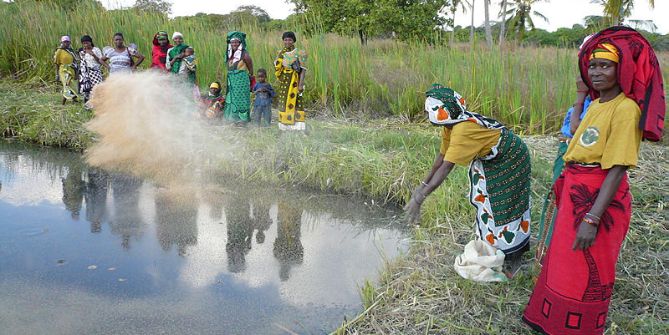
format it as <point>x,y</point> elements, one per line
<point>85,251</point>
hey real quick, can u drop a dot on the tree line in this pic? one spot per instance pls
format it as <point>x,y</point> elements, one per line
<point>430,21</point>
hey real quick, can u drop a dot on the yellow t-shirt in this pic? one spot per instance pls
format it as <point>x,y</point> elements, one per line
<point>466,141</point>
<point>609,134</point>
<point>62,57</point>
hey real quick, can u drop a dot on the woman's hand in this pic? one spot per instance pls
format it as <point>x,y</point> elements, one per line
<point>585,236</point>
<point>412,208</point>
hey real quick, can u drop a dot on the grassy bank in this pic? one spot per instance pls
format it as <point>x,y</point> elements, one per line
<point>419,293</point>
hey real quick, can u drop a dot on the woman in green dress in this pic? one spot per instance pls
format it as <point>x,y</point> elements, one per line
<point>240,75</point>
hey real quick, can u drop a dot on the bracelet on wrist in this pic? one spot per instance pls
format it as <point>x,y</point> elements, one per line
<point>592,216</point>
<point>590,219</point>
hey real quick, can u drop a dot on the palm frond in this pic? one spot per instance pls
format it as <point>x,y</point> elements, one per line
<point>539,15</point>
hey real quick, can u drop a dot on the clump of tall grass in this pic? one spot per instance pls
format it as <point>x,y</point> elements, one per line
<point>527,88</point>
<point>35,115</point>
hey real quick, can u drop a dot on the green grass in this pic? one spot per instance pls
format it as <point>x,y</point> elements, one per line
<point>35,115</point>
<point>419,293</point>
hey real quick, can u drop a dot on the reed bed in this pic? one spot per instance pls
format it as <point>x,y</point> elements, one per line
<point>527,88</point>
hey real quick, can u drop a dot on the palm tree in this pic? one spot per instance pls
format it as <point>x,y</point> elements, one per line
<point>488,33</point>
<point>617,10</point>
<point>521,16</point>
<point>471,28</point>
<point>647,25</point>
<point>502,27</point>
<point>454,8</point>
<point>596,23</point>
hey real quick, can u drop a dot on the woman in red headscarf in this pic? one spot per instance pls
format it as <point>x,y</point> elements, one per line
<point>574,289</point>
<point>159,52</point>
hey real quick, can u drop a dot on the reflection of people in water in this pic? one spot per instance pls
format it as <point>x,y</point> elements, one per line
<point>176,221</point>
<point>73,191</point>
<point>215,201</point>
<point>96,199</point>
<point>240,232</point>
<point>288,248</point>
<point>126,221</point>
<point>261,218</point>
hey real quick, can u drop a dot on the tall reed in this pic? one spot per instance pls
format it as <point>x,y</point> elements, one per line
<point>527,88</point>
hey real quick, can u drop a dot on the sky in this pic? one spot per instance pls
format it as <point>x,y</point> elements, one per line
<point>560,13</point>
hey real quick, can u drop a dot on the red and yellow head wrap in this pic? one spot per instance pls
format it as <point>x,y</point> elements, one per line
<point>606,51</point>
<point>215,85</point>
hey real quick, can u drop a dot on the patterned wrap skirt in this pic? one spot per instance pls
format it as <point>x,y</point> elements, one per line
<point>500,192</point>
<point>573,292</point>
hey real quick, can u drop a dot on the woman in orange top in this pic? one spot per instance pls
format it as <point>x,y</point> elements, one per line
<point>499,171</point>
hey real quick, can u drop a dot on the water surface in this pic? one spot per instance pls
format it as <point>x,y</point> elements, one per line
<point>85,251</point>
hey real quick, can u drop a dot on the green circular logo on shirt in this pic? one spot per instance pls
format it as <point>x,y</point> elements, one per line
<point>589,136</point>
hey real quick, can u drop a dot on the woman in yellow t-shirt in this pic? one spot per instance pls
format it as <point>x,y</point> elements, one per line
<point>499,171</point>
<point>66,61</point>
<point>573,292</point>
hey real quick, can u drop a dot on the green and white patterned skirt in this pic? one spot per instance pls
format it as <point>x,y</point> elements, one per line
<point>500,191</point>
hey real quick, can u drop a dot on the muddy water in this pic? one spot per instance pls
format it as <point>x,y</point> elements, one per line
<point>85,251</point>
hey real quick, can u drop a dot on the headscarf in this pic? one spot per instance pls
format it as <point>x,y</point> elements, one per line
<point>65,38</point>
<point>605,51</point>
<point>444,107</point>
<point>177,34</point>
<point>639,75</point>
<point>159,36</point>
<point>235,55</point>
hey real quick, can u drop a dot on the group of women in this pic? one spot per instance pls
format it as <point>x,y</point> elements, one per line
<point>86,64</point>
<point>290,68</point>
<point>591,196</point>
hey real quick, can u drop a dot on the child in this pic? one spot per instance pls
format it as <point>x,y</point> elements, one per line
<point>189,66</point>
<point>262,105</point>
<point>189,61</point>
<point>214,101</point>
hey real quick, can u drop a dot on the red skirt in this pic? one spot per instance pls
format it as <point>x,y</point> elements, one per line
<point>573,292</point>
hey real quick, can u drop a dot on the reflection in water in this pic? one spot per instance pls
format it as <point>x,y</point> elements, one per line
<point>96,199</point>
<point>126,220</point>
<point>240,231</point>
<point>322,248</point>
<point>287,246</point>
<point>176,219</point>
<point>73,191</point>
<point>262,219</point>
